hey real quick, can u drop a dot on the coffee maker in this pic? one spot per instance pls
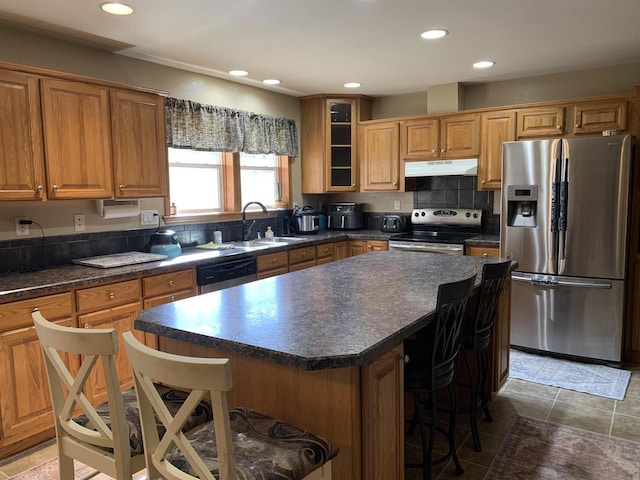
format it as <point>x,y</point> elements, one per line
<point>345,216</point>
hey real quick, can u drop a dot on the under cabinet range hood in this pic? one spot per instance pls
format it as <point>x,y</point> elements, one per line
<point>435,168</point>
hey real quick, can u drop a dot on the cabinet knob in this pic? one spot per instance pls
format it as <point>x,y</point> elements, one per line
<point>443,150</point>
<point>274,260</point>
<point>40,188</point>
<point>485,254</point>
<point>304,254</point>
<point>121,187</point>
<point>369,247</point>
<point>558,127</point>
<point>395,184</point>
<point>171,283</point>
<point>483,181</point>
<point>406,359</point>
<point>326,250</point>
<point>172,298</point>
<point>112,295</point>
<point>55,188</point>
<point>353,184</point>
<point>86,325</point>
<point>577,125</point>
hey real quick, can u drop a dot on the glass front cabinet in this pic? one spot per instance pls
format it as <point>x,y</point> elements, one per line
<point>329,142</point>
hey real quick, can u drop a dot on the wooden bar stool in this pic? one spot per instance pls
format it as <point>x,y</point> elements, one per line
<point>238,444</point>
<point>429,366</point>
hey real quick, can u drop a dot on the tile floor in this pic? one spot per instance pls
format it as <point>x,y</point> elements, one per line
<point>620,418</point>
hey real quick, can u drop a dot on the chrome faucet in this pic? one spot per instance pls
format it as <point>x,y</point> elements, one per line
<point>246,232</point>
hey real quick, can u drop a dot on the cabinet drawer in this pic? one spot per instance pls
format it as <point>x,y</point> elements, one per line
<point>491,252</point>
<point>325,250</point>
<point>18,314</point>
<point>302,254</point>
<point>107,296</point>
<point>272,260</point>
<point>272,272</point>
<point>302,265</point>
<point>168,298</point>
<point>168,283</point>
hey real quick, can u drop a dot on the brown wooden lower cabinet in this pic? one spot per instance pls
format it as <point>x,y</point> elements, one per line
<point>340,250</point>
<point>271,264</point>
<point>325,253</point>
<point>300,258</point>
<point>359,408</point>
<point>359,247</point>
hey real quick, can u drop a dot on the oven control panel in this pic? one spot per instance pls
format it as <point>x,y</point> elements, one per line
<point>446,216</point>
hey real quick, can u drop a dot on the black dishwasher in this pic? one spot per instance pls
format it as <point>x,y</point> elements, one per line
<point>225,274</point>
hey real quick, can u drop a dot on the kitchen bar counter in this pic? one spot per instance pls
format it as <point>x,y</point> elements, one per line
<point>335,315</point>
<point>321,348</point>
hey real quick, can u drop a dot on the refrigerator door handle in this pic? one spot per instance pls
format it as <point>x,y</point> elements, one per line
<point>550,281</point>
<point>564,206</point>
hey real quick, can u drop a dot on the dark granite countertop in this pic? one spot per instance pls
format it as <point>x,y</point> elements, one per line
<point>340,314</point>
<point>484,241</point>
<point>21,285</point>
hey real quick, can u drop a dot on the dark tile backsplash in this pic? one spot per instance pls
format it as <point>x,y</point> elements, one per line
<point>38,253</point>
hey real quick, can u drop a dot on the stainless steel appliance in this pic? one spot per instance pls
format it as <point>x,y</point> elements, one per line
<point>345,216</point>
<point>305,220</point>
<point>225,274</point>
<point>564,220</point>
<point>439,230</point>
<point>395,223</point>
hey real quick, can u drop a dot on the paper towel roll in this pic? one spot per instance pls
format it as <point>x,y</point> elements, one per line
<point>118,208</point>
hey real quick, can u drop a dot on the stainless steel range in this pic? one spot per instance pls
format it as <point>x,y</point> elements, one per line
<point>439,230</point>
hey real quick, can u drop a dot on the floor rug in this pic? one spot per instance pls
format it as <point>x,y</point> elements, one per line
<point>537,450</point>
<point>49,471</point>
<point>582,377</point>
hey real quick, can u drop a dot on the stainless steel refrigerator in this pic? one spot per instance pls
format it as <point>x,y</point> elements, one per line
<point>564,219</point>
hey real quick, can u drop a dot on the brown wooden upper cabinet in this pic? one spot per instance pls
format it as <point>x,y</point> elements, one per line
<point>594,117</point>
<point>453,136</point>
<point>329,141</point>
<point>77,139</point>
<point>380,157</point>
<point>22,174</point>
<point>139,152</point>
<point>540,121</point>
<point>497,127</point>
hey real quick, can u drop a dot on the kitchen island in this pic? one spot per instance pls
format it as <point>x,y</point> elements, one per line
<point>322,347</point>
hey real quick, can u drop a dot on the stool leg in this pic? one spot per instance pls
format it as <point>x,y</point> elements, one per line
<point>482,385</point>
<point>473,410</point>
<point>427,445</point>
<point>453,393</point>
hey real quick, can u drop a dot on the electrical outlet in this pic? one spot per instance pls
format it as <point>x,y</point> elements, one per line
<point>21,230</point>
<point>78,222</point>
<point>149,217</point>
<point>396,204</point>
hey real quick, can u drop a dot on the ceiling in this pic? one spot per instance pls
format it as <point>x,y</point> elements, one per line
<point>315,46</point>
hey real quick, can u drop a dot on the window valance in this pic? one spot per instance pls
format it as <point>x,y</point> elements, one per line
<point>217,129</point>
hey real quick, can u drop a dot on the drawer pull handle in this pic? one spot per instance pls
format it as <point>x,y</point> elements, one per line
<point>304,254</point>
<point>274,260</point>
<point>172,298</point>
<point>326,250</point>
<point>485,254</point>
<point>171,283</point>
<point>112,295</point>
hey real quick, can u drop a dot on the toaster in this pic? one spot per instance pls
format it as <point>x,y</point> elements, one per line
<point>395,223</point>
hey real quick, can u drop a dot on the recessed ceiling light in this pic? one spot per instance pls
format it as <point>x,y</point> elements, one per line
<point>434,33</point>
<point>352,85</point>
<point>238,73</point>
<point>271,81</point>
<point>484,64</point>
<point>116,8</point>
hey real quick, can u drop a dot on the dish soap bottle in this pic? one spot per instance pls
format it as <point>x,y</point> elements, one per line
<point>268,234</point>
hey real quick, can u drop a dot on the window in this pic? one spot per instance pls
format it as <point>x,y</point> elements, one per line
<point>195,180</point>
<point>259,179</point>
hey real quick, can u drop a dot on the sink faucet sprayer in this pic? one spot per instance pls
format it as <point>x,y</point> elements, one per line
<point>246,232</point>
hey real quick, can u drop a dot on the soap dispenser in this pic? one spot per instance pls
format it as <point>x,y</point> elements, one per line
<point>268,234</point>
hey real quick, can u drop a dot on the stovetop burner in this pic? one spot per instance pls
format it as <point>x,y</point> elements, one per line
<point>440,225</point>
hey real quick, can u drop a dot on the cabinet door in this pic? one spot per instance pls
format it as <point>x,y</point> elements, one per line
<point>139,148</point>
<point>540,122</point>
<point>357,247</point>
<point>341,172</point>
<point>595,117</point>
<point>460,136</point>
<point>380,157</point>
<point>497,127</point>
<point>340,250</point>
<point>21,148</point>
<point>383,416</point>
<point>121,318</point>
<point>25,403</point>
<point>419,139</point>
<point>377,246</point>
<point>77,139</point>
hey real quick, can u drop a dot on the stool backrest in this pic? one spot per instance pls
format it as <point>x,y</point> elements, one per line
<point>90,444</point>
<point>494,276</point>
<point>202,377</point>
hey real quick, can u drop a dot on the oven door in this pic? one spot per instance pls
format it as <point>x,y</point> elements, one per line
<point>446,248</point>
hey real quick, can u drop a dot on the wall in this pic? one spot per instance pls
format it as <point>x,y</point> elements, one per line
<point>28,48</point>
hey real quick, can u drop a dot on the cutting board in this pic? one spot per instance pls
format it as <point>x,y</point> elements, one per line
<point>119,259</point>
